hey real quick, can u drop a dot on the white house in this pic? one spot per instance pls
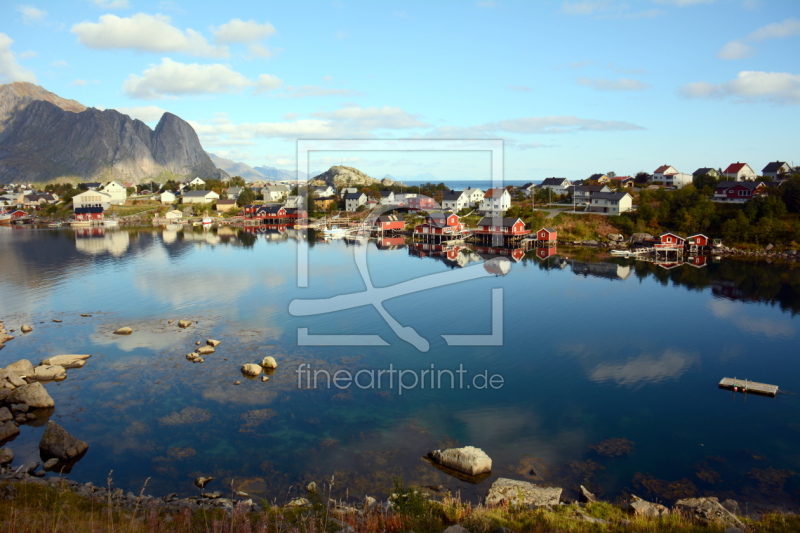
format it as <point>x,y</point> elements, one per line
<point>496,201</point>
<point>324,191</point>
<point>557,185</point>
<point>200,197</point>
<point>403,198</point>
<point>776,170</point>
<point>91,199</point>
<point>348,190</point>
<point>294,202</point>
<point>664,173</point>
<point>739,172</point>
<point>474,196</point>
<point>528,189</point>
<point>275,193</point>
<point>610,203</point>
<point>454,200</point>
<point>354,200</point>
<point>678,180</point>
<point>582,194</point>
<point>167,198</point>
<point>173,215</point>
<point>387,197</point>
<point>116,191</point>
<point>197,182</point>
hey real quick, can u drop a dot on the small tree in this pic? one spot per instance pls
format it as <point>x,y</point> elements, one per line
<point>246,197</point>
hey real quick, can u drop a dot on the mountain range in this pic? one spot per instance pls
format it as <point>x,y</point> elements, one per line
<point>236,168</point>
<point>44,137</point>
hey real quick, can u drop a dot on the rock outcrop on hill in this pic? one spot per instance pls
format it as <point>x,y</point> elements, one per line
<point>339,176</point>
<point>45,137</point>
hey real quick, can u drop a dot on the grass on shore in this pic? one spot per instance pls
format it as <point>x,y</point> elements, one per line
<point>44,509</point>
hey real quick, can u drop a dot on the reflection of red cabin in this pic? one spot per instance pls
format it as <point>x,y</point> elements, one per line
<point>547,234</point>
<point>544,253</point>
<point>452,254</point>
<point>699,261</point>
<point>670,240</point>
<point>514,253</point>
<point>698,240</point>
<point>504,226</point>
<point>391,242</point>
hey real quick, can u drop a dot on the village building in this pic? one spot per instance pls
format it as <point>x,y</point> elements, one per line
<point>737,192</point>
<point>454,200</point>
<point>275,193</point>
<point>474,196</point>
<point>610,203</point>
<point>199,197</point>
<point>116,191</point>
<point>223,206</point>
<point>387,197</point>
<point>556,185</point>
<point>167,198</point>
<point>496,201</point>
<point>547,235</point>
<point>776,170</point>
<point>324,191</point>
<point>598,179</point>
<point>91,199</point>
<point>582,194</point>
<point>354,200</point>
<point>705,171</point>
<point>739,172</point>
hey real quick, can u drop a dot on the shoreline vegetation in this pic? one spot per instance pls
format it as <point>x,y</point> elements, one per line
<point>32,505</point>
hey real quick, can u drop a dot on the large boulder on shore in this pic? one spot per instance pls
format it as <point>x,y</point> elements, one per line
<point>6,456</point>
<point>707,511</point>
<point>8,430</point>
<point>56,442</point>
<point>32,394</point>
<point>23,367</point>
<point>521,493</point>
<point>468,460</point>
<point>640,507</point>
<point>67,361</point>
<point>49,373</point>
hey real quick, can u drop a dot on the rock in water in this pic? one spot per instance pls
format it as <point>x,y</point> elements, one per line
<point>184,323</point>
<point>67,361</point>
<point>269,362</point>
<point>213,343</point>
<point>521,493</point>
<point>49,373</point>
<point>124,331</point>
<point>32,394</point>
<point>587,496</point>
<point>201,482</point>
<point>251,370</point>
<point>8,430</point>
<point>23,367</point>
<point>26,328</point>
<point>205,350</point>
<point>56,442</point>
<point>468,460</point>
<point>6,456</point>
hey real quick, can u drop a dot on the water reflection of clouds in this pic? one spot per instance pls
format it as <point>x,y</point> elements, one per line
<point>149,340</point>
<point>670,364</point>
<point>734,312</point>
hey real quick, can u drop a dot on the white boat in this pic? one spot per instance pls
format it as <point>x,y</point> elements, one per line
<point>334,231</point>
<point>110,222</point>
<point>207,221</point>
<point>54,225</point>
<point>624,253</point>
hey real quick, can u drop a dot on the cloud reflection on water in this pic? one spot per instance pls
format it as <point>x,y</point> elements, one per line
<point>734,312</point>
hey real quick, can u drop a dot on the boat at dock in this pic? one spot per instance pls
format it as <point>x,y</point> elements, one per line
<point>334,232</point>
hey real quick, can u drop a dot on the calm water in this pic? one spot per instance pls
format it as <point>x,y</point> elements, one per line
<point>592,349</point>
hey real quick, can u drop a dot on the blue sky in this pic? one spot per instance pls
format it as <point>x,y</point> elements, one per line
<point>572,87</point>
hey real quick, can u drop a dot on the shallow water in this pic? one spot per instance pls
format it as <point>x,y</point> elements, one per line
<point>592,349</point>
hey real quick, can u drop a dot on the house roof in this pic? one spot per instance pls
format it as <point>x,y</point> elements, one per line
<point>452,195</point>
<point>752,185</point>
<point>197,194</point>
<point>504,222</point>
<point>273,208</point>
<point>622,178</point>
<point>614,196</point>
<point>386,194</point>
<point>529,185</point>
<point>494,193</point>
<point>554,181</point>
<point>702,171</point>
<point>733,168</point>
<point>353,195</point>
<point>390,218</point>
<point>774,166</point>
<point>596,177</point>
<point>548,230</point>
<point>662,169</point>
<point>226,202</point>
<point>93,184</point>
<point>698,235</point>
<point>85,210</point>
<point>591,188</point>
<point>673,234</point>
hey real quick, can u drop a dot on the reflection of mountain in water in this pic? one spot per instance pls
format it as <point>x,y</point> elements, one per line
<point>601,270</point>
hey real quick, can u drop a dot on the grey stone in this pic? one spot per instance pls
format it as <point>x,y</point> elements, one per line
<point>50,463</point>
<point>640,507</point>
<point>49,373</point>
<point>5,414</point>
<point>521,493</point>
<point>17,408</point>
<point>707,511</point>
<point>587,496</point>
<point>56,442</point>
<point>732,506</point>
<point>205,350</point>
<point>23,367</point>
<point>467,460</point>
<point>6,456</point>
<point>67,361</point>
<point>33,394</point>
<point>456,528</point>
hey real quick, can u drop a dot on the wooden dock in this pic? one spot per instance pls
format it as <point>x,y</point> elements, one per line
<point>748,387</point>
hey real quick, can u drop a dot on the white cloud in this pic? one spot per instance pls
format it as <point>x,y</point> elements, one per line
<point>31,15</point>
<point>259,50</point>
<point>645,369</point>
<point>735,50</point>
<point>149,113</point>
<point>267,82</point>
<point>143,32</point>
<point>777,87</point>
<point>556,124</point>
<point>777,30</point>
<point>242,31</point>
<point>29,54</point>
<point>60,63</point>
<point>305,91</point>
<point>371,118</point>
<point>171,78</point>
<point>522,88</point>
<point>622,84</point>
<point>10,70</point>
<point>111,4</point>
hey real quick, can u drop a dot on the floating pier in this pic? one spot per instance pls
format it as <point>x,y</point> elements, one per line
<point>748,387</point>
